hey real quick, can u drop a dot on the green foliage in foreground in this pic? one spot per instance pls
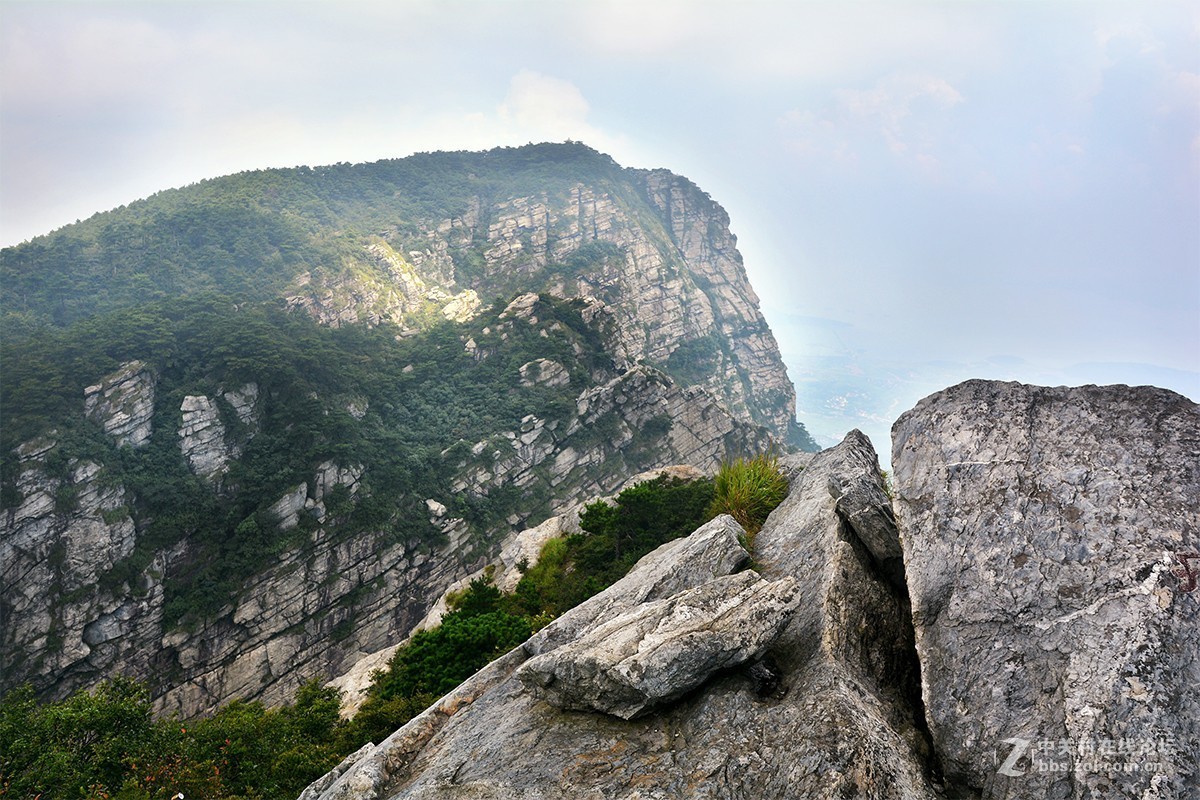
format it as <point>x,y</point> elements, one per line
<point>645,516</point>
<point>105,744</point>
<point>486,623</point>
<point>748,490</point>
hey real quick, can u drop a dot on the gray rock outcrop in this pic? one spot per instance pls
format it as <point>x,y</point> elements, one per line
<point>1049,543</point>
<point>123,403</point>
<point>657,652</point>
<point>1041,526</point>
<point>682,425</point>
<point>825,712</point>
<point>202,436</point>
<point>544,372</point>
<point>69,530</point>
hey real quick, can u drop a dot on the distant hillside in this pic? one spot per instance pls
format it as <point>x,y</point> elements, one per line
<point>400,240</point>
<point>253,427</point>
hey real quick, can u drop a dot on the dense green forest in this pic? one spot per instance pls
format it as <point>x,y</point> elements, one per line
<point>106,743</point>
<point>249,235</point>
<point>423,395</point>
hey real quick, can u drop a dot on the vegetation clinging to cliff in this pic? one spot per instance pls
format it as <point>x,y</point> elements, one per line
<point>749,489</point>
<point>418,398</point>
<point>105,743</point>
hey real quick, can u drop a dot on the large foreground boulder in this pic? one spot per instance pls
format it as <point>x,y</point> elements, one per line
<point>1046,537</point>
<point>815,698</point>
<point>657,652</point>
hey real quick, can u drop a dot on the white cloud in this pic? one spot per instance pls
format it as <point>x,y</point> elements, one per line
<point>890,104</point>
<point>213,136</point>
<point>549,108</point>
<point>766,40</point>
<point>900,112</point>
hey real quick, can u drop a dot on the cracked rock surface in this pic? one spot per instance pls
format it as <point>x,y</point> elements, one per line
<point>824,712</point>
<point>1043,535</point>
<point>1040,527</point>
<point>657,652</point>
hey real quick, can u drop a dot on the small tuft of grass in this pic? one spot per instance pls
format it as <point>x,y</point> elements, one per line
<point>748,490</point>
<point>888,486</point>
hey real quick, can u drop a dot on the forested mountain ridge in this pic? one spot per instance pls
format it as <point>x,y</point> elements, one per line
<point>253,427</point>
<point>407,240</point>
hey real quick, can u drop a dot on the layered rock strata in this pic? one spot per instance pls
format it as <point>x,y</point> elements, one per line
<point>123,403</point>
<point>319,608</point>
<point>657,652</point>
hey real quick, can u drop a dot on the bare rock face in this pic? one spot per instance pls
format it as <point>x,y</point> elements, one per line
<point>657,652</point>
<point>202,436</point>
<point>685,425</point>
<point>823,707</point>
<point>123,403</point>
<point>544,372</point>
<point>70,528</point>
<point>1046,536</point>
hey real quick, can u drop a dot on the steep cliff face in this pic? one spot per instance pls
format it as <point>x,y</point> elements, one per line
<point>263,510</point>
<point>70,529</point>
<point>654,248</point>
<point>1036,641</point>
<point>80,603</point>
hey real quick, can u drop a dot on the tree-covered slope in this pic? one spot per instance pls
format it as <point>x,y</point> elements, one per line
<point>253,427</point>
<point>430,236</point>
<point>250,234</point>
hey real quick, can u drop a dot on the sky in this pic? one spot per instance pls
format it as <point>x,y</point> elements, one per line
<point>923,192</point>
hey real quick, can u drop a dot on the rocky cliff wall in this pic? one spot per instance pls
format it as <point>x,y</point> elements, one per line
<point>69,620</point>
<point>693,677</point>
<point>650,245</point>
